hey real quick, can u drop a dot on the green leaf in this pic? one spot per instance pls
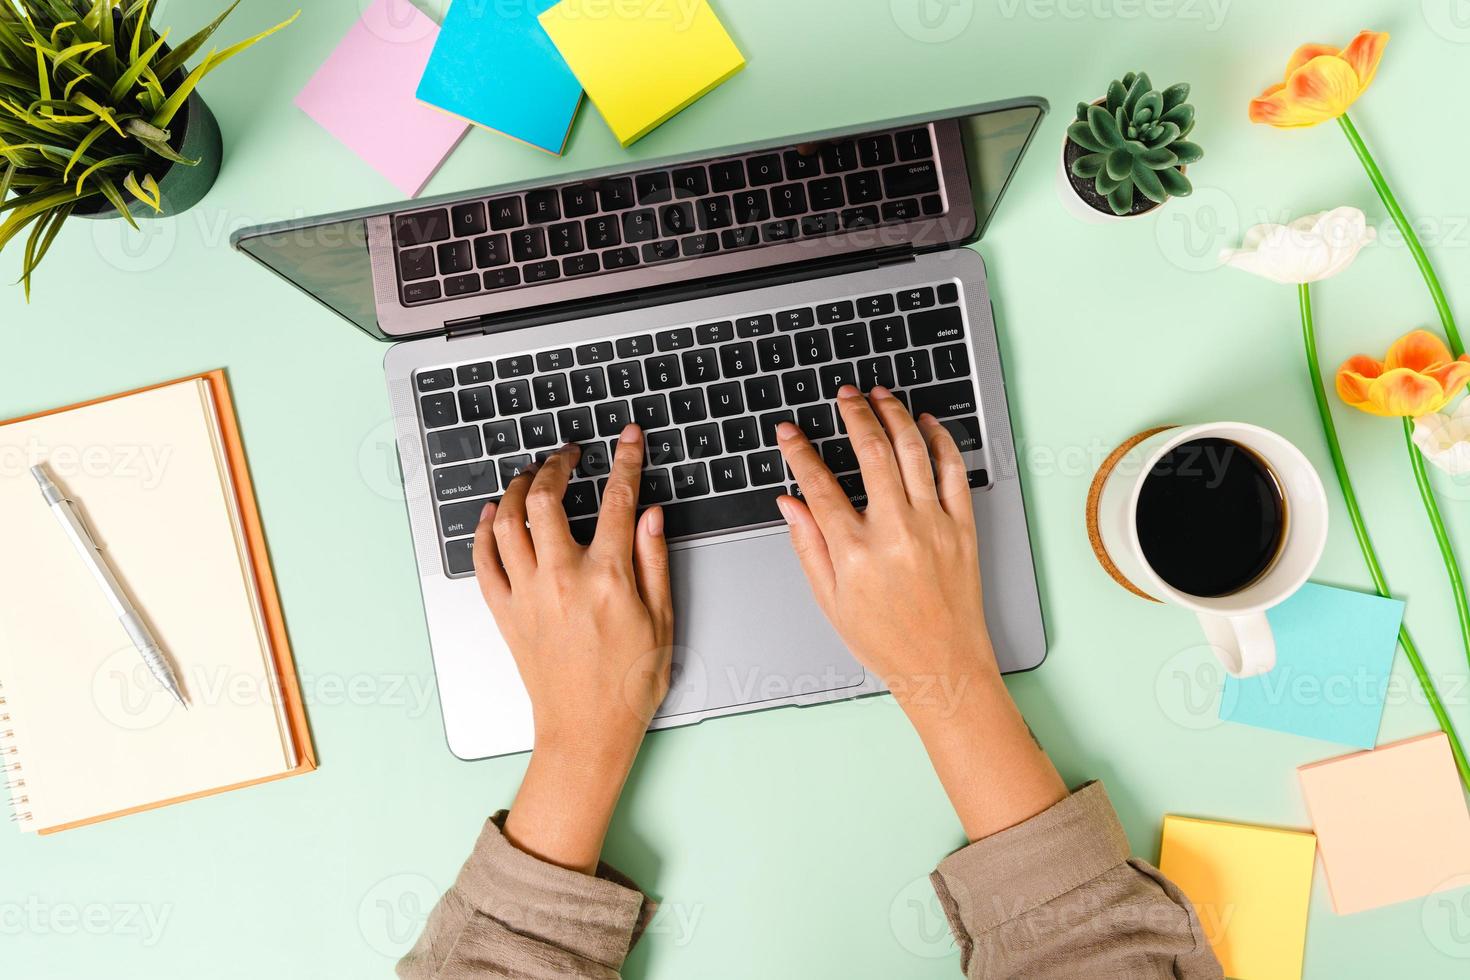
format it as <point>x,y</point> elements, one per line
<point>1181,116</point>
<point>1167,133</point>
<point>131,159</point>
<point>136,126</point>
<point>1175,183</point>
<point>1187,152</point>
<point>1104,184</point>
<point>1175,96</point>
<point>176,58</point>
<point>6,179</point>
<point>1140,88</point>
<point>1158,159</point>
<point>138,31</point>
<point>1117,94</point>
<point>80,152</point>
<point>129,78</point>
<point>114,196</point>
<point>102,112</point>
<point>1082,112</point>
<point>40,242</point>
<point>147,191</point>
<point>1148,183</point>
<point>1104,127</point>
<point>1081,134</point>
<point>1120,163</point>
<point>1149,107</point>
<point>1121,198</point>
<point>1089,166</point>
<point>168,152</point>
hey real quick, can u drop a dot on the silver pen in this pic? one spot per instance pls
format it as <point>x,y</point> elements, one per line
<point>86,545</point>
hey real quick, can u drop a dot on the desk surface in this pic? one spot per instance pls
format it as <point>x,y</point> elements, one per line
<point>790,843</point>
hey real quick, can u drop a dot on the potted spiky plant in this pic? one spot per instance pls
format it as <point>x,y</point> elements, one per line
<point>1126,153</point>
<point>100,118</point>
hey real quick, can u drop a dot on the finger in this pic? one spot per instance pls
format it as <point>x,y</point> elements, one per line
<point>811,548</point>
<point>909,446</point>
<point>517,552</point>
<point>494,585</point>
<point>953,482</point>
<point>614,537</point>
<point>651,565</point>
<point>829,505</point>
<point>551,533</point>
<point>871,447</point>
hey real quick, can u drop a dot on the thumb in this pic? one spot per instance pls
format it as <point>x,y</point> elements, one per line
<point>651,564</point>
<point>811,548</point>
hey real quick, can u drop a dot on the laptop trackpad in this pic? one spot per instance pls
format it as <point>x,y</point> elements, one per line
<point>747,629</point>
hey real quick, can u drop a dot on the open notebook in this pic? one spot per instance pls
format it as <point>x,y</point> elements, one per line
<point>159,478</point>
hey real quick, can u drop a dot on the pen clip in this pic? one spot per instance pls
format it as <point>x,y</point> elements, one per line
<point>82,524</point>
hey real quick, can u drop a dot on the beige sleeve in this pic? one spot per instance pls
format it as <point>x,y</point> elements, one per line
<point>512,915</point>
<point>1059,897</point>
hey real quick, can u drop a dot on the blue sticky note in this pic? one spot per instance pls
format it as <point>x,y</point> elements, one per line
<point>1334,651</point>
<point>495,66</point>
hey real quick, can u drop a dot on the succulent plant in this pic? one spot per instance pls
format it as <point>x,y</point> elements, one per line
<point>1135,139</point>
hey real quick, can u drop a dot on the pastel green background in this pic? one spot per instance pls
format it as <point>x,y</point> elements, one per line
<point>791,843</point>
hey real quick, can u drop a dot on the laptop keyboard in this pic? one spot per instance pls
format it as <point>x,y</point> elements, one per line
<point>578,230</point>
<point>708,396</point>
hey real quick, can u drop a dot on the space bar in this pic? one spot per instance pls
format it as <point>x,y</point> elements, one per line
<point>721,513</point>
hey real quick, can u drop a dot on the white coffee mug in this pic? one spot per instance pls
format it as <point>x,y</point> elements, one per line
<point>1235,624</point>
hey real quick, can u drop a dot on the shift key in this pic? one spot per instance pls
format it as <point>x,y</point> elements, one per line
<point>944,401</point>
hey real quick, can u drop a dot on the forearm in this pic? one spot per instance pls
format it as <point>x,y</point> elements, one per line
<point>566,802</point>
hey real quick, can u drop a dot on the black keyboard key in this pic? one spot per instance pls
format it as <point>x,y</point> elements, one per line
<point>636,346</point>
<point>651,411</point>
<point>551,391</point>
<point>751,206</point>
<point>502,437</point>
<point>936,326</point>
<point>770,420</point>
<point>817,225</point>
<point>640,226</point>
<point>835,312</point>
<point>762,393</point>
<point>951,361</point>
<point>580,499</point>
<point>711,514</point>
<point>505,212</point>
<point>580,265</point>
<point>797,319</point>
<point>871,306</point>
<point>660,251</point>
<point>727,175</point>
<point>896,211</point>
<point>468,480</point>
<point>704,441</point>
<point>850,340</point>
<point>688,406</point>
<point>596,459</point>
<point>416,263</point>
<point>715,333</point>
<point>502,278</point>
<point>834,376</point>
<point>700,244</point>
<point>918,298</point>
<point>888,334</point>
<point>511,467</point>
<point>543,271</point>
<point>715,212</point>
<point>779,231</point>
<point>676,219</point>
<point>690,182</point>
<point>767,468</point>
<point>602,231</point>
<point>458,520</point>
<point>800,165</point>
<point>800,387</point>
<point>944,400</point>
<point>733,238</point>
<point>619,258</point>
<point>874,372</point>
<point>681,338</point>
<point>598,353</point>
<point>476,404</point>
<point>421,228</point>
<point>589,385</point>
<point>839,156</point>
<point>755,326</point>
<point>875,150</point>
<point>438,410</point>
<point>910,179</point>
<point>913,368</point>
<point>655,487</point>
<point>664,447</point>
<point>852,485</point>
<point>931,204</point>
<point>691,480</point>
<point>615,193</point>
<point>737,360</point>
<point>538,431</point>
<point>625,379</point>
<point>863,187</point>
<point>554,360</point>
<point>863,217</point>
<point>914,144</point>
<point>966,433</point>
<point>948,292</point>
<point>727,474</point>
<point>421,292</point>
<point>434,380</point>
<point>612,418</point>
<point>575,424</point>
<point>701,365</point>
<point>566,238</point>
<point>584,530</point>
<point>542,206</point>
<point>491,251</point>
<point>775,353</point>
<point>813,347</point>
<point>468,219</point>
<point>476,374</point>
<point>764,169</point>
<point>653,188</point>
<point>454,445</point>
<point>816,421</point>
<point>578,201</point>
<point>838,455</point>
<point>788,200</point>
<point>513,397</point>
<point>528,244</point>
<point>726,399</point>
<point>826,194</point>
<point>663,372</point>
<point>741,434</point>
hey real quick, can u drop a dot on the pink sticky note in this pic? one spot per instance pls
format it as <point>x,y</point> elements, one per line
<point>364,96</point>
<point>1391,823</point>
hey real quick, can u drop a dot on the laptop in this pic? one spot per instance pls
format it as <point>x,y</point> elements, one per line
<point>707,297</point>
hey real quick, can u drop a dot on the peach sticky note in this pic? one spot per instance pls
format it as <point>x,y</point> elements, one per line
<point>641,61</point>
<point>1392,822</point>
<point>1250,886</point>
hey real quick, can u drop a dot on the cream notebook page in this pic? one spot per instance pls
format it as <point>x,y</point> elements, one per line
<point>92,731</point>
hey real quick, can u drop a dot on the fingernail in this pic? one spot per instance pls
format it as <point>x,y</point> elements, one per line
<point>787,430</point>
<point>487,510</point>
<point>882,392</point>
<point>783,504</point>
<point>630,433</point>
<point>655,525</point>
<point>849,391</point>
<point>927,418</point>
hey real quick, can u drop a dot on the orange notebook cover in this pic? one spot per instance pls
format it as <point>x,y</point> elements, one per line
<point>77,726</point>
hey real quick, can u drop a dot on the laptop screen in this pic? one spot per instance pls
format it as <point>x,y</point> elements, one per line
<point>330,257</point>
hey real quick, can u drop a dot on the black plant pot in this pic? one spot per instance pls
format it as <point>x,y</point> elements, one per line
<point>195,136</point>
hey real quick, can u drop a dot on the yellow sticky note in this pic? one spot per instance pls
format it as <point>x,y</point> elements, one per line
<point>641,61</point>
<point>1250,886</point>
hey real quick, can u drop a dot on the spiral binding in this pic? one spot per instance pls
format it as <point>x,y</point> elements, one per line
<point>10,768</point>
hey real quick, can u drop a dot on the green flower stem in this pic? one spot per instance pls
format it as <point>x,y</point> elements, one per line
<point>1436,521</point>
<point>1365,544</point>
<point>1407,230</point>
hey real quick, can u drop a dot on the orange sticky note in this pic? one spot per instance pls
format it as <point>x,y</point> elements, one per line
<point>1392,822</point>
<point>1250,887</point>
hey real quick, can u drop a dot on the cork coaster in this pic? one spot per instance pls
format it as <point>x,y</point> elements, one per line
<point>1094,495</point>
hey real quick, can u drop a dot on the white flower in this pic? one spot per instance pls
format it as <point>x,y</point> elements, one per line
<point>1312,248</point>
<point>1444,438</point>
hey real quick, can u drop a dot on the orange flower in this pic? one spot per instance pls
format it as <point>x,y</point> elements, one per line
<point>1419,376</point>
<point>1321,82</point>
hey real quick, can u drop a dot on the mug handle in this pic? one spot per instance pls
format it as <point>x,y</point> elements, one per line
<point>1244,644</point>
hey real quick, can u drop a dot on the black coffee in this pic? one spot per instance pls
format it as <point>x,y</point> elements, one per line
<point>1210,517</point>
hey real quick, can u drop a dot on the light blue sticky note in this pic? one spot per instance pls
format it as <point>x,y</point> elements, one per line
<point>1334,650</point>
<point>495,66</point>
